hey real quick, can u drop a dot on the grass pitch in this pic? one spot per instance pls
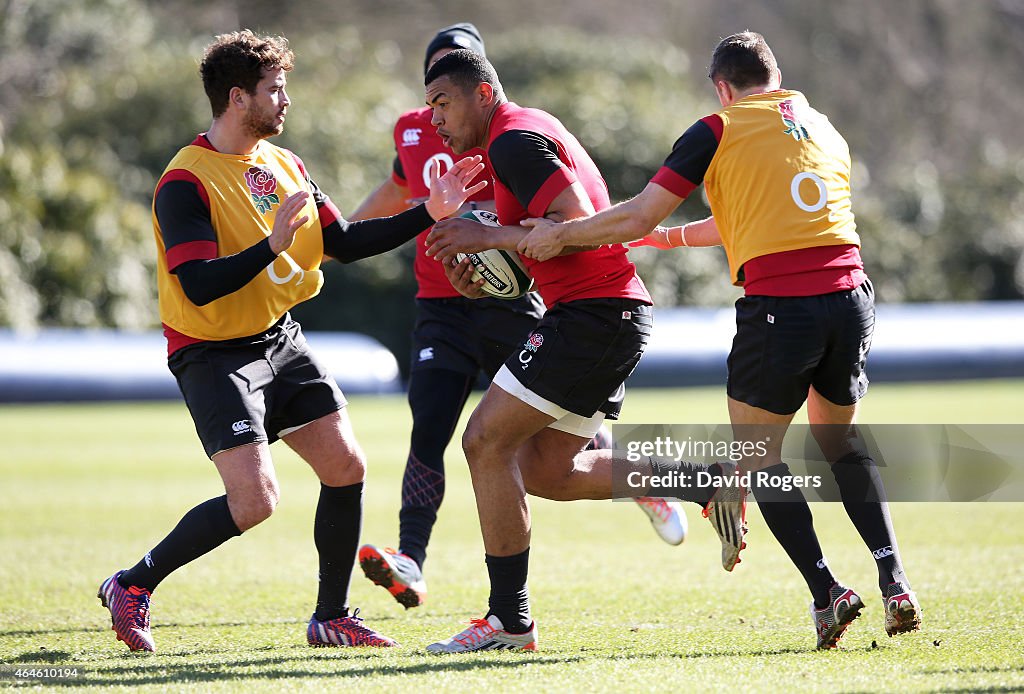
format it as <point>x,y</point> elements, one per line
<point>87,489</point>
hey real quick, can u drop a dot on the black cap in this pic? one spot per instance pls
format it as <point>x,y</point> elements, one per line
<point>462,35</point>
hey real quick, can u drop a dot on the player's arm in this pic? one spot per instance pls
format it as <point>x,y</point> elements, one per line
<point>625,221</point>
<point>191,241</point>
<point>350,241</point>
<point>699,234</point>
<point>681,173</point>
<point>393,196</point>
<point>527,164</point>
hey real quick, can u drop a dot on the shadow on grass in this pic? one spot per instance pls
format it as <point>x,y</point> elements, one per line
<point>43,657</point>
<point>163,673</point>
<point>977,668</point>
<point>104,623</point>
<point>982,669</point>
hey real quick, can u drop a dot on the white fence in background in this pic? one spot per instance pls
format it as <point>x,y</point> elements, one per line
<point>913,342</point>
<point>69,365</point>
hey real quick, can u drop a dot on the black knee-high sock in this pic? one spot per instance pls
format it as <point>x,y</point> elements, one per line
<point>864,499</point>
<point>789,518</point>
<point>509,600</point>
<point>436,398</point>
<point>203,528</point>
<point>689,490</point>
<point>336,528</point>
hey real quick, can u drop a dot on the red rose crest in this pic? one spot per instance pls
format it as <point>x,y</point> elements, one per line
<point>534,341</point>
<point>262,185</point>
<point>793,125</point>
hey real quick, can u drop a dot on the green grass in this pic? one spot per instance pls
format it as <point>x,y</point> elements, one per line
<point>87,489</point>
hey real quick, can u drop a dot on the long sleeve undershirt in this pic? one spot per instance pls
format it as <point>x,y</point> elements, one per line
<point>206,280</point>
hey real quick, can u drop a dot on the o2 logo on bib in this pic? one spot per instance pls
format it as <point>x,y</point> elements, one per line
<point>816,203</point>
<point>293,270</point>
<point>814,196</point>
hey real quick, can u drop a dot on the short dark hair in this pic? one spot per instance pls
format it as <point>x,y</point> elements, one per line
<point>238,59</point>
<point>465,69</point>
<point>743,60</point>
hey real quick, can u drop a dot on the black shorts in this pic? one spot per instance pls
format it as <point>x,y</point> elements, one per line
<point>471,335</point>
<point>784,345</point>
<point>581,353</point>
<point>252,388</point>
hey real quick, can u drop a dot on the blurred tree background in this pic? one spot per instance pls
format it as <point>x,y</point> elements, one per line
<point>97,95</point>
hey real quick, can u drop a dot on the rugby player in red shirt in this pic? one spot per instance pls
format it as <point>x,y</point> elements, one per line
<point>454,339</point>
<point>552,394</point>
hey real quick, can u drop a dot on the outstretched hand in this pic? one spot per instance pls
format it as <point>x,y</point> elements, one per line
<point>448,192</point>
<point>544,241</point>
<point>659,238</point>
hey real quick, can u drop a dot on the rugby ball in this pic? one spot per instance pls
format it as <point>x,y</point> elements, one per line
<point>503,272</point>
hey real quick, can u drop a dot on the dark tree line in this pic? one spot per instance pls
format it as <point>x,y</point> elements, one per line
<point>96,96</point>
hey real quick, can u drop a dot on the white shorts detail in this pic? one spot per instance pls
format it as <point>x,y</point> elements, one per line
<point>291,430</point>
<point>566,421</point>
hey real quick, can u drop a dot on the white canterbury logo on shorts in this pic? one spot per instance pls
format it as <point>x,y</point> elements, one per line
<point>242,426</point>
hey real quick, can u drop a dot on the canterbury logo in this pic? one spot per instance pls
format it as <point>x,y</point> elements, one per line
<point>411,137</point>
<point>242,426</point>
<point>883,552</point>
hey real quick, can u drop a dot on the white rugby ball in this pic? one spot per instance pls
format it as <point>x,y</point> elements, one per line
<point>503,272</point>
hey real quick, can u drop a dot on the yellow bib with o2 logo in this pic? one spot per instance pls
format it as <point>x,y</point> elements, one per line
<point>779,180</point>
<point>245,192</point>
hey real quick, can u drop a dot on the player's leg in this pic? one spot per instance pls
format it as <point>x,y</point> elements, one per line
<point>561,473</point>
<point>779,343</point>
<point>310,415</point>
<point>251,495</point>
<point>502,329</point>
<point>500,424</point>
<point>224,386</point>
<point>568,347</point>
<point>443,368</point>
<point>839,384</point>
<point>330,448</point>
<point>667,517</point>
<point>788,516</point>
<point>436,399</point>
